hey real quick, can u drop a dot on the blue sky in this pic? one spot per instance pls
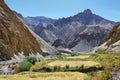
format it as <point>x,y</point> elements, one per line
<point>109,9</point>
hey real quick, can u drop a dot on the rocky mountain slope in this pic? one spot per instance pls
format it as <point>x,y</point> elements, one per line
<point>16,37</point>
<point>112,40</point>
<point>46,34</point>
<point>80,32</point>
<point>34,21</point>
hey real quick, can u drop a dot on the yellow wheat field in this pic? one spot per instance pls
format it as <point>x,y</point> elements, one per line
<point>47,76</point>
<point>78,57</point>
<point>74,63</point>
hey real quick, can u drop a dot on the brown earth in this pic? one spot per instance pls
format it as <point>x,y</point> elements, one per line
<point>113,36</point>
<point>14,35</point>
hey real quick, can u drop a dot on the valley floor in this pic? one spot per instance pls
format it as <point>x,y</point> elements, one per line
<point>78,67</point>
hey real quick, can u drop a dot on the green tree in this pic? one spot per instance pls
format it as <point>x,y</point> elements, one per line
<point>31,60</point>
<point>24,66</point>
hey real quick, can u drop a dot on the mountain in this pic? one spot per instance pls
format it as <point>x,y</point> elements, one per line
<point>46,34</point>
<point>88,38</point>
<point>39,20</point>
<point>80,32</point>
<point>111,41</point>
<point>34,21</point>
<point>16,37</point>
<point>85,18</point>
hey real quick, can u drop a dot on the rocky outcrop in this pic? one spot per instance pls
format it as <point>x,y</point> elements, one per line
<point>45,33</point>
<point>112,39</point>
<point>59,43</point>
<point>113,35</point>
<point>88,38</point>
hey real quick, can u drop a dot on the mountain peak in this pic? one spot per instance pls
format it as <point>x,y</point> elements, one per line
<point>87,11</point>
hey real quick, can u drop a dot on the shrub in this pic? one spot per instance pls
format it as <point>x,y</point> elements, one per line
<point>67,66</point>
<point>77,67</point>
<point>24,66</point>
<point>100,57</point>
<point>82,66</point>
<point>55,68</point>
<point>73,54</point>
<point>31,59</point>
<point>59,68</point>
<point>45,69</point>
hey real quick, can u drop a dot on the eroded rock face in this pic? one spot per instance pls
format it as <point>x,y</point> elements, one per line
<point>112,39</point>
<point>113,36</point>
<point>14,35</point>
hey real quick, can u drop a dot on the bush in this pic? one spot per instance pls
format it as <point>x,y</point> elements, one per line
<point>56,68</point>
<point>24,66</point>
<point>100,57</point>
<point>59,68</point>
<point>82,66</point>
<point>31,59</point>
<point>73,54</point>
<point>67,66</point>
<point>45,69</point>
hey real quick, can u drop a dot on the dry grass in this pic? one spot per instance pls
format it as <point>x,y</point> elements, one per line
<point>74,63</point>
<point>47,76</point>
<point>78,57</point>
